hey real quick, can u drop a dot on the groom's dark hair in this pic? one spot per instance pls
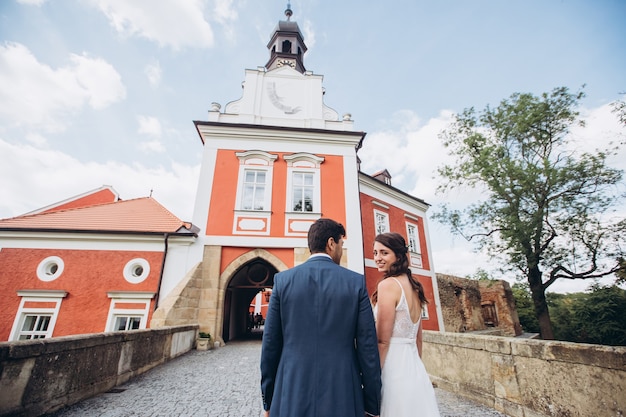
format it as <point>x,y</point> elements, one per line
<point>321,231</point>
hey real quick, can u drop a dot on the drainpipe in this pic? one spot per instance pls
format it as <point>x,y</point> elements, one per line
<point>156,300</point>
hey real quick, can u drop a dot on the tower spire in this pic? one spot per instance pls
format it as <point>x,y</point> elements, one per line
<point>288,11</point>
<point>287,45</point>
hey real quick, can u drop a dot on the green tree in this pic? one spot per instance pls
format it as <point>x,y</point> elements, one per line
<point>547,209</point>
<point>524,306</point>
<point>598,316</point>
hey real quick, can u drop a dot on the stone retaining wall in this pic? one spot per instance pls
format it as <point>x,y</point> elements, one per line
<point>44,375</point>
<point>529,378</point>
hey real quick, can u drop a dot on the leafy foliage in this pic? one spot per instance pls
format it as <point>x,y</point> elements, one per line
<point>547,209</point>
<point>524,306</point>
<point>596,316</point>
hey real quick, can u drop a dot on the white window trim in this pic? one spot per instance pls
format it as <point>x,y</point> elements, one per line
<point>386,216</point>
<point>259,161</point>
<point>305,163</point>
<point>128,297</point>
<point>415,256</point>
<point>37,296</point>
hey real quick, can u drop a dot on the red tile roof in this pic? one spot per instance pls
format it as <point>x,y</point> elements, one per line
<point>104,194</point>
<point>141,215</point>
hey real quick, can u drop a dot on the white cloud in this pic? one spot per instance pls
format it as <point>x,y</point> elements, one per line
<point>32,2</point>
<point>154,72</point>
<point>224,11</point>
<point>172,23</point>
<point>49,171</point>
<point>309,33</point>
<point>149,125</point>
<point>100,81</point>
<point>37,139</point>
<point>410,150</point>
<point>34,94</point>
<point>152,146</point>
<point>602,130</point>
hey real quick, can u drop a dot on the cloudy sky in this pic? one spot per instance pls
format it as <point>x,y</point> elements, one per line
<point>96,92</point>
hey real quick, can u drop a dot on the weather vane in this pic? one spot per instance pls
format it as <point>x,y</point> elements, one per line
<point>288,12</point>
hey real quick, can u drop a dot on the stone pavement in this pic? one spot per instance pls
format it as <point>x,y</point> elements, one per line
<point>222,382</point>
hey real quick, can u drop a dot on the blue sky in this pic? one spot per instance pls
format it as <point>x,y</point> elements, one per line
<point>96,92</point>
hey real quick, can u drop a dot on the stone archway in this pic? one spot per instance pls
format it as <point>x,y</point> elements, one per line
<point>242,280</point>
<point>249,279</point>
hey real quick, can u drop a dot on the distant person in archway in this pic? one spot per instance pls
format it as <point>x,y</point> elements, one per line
<point>399,299</point>
<point>319,354</point>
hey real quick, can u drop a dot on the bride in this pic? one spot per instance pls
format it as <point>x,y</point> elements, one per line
<point>398,302</point>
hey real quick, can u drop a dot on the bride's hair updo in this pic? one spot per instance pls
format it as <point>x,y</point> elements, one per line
<point>397,244</point>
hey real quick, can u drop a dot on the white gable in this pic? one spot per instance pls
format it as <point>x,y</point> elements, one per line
<point>282,97</point>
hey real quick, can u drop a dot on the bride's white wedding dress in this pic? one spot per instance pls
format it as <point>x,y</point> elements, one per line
<point>407,390</point>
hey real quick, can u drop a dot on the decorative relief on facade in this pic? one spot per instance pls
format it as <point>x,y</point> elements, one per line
<point>279,101</point>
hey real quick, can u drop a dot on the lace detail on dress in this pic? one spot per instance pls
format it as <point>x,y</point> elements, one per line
<point>403,326</point>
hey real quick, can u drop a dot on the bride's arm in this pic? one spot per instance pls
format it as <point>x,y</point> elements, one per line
<point>419,339</point>
<point>388,296</point>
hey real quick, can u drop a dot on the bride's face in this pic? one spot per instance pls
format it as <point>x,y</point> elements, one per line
<point>383,257</point>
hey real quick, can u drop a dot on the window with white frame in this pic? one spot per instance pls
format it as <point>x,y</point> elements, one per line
<point>303,183</point>
<point>255,180</point>
<point>414,244</point>
<point>123,323</point>
<point>128,310</point>
<point>415,255</point>
<point>254,185</point>
<point>37,314</point>
<point>303,189</point>
<point>381,222</point>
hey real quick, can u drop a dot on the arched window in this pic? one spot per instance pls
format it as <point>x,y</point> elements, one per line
<point>287,47</point>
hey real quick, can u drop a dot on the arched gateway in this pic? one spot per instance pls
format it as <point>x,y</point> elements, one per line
<point>241,280</point>
<point>254,276</point>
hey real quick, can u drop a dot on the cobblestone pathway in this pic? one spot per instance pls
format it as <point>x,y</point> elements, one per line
<point>222,382</point>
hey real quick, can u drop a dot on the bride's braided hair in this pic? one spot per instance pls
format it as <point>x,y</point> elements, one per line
<point>397,244</point>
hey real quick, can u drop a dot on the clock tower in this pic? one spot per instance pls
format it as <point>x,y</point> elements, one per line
<point>287,45</point>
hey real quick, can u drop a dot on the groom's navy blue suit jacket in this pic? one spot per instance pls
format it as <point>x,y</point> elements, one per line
<point>320,352</point>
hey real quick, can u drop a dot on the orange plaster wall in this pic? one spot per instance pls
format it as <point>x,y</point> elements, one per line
<point>279,197</point>
<point>224,194</point>
<point>87,277</point>
<point>333,191</point>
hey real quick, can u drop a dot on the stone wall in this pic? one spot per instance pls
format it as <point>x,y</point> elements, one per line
<point>460,304</point>
<point>527,377</point>
<point>465,304</point>
<point>498,294</point>
<point>44,375</point>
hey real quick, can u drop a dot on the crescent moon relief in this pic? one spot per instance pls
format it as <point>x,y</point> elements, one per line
<point>277,101</point>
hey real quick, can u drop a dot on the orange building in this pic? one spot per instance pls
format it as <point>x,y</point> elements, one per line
<point>90,264</point>
<point>273,162</point>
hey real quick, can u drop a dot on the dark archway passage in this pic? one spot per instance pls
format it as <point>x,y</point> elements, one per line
<point>247,281</point>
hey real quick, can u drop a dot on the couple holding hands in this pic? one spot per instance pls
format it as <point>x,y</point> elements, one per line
<point>323,345</point>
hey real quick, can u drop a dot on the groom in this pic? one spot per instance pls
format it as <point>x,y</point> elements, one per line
<point>320,353</point>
